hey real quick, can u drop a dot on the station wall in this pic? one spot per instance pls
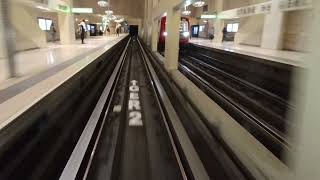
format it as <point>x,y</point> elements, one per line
<point>297,30</point>
<point>250,30</point>
<point>28,34</point>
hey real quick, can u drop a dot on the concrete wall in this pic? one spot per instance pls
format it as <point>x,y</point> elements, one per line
<point>250,30</point>
<point>54,17</point>
<point>232,4</point>
<point>25,24</point>
<point>296,35</point>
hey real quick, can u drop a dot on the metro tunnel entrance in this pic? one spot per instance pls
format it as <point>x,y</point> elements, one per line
<point>134,29</point>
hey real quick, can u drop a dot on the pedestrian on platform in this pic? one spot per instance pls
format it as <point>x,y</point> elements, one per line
<point>83,31</point>
<point>108,29</point>
<point>53,32</point>
<point>224,33</point>
<point>118,28</point>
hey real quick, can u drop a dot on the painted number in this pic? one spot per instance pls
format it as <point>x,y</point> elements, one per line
<point>135,117</point>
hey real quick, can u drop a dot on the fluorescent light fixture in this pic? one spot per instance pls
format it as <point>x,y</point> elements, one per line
<point>208,16</point>
<point>82,10</point>
<point>186,34</point>
<point>109,12</point>
<point>103,3</point>
<point>164,14</point>
<point>165,34</point>
<point>199,3</point>
<point>186,12</point>
<point>43,8</point>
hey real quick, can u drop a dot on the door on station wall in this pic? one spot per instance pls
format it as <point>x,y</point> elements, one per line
<point>195,30</point>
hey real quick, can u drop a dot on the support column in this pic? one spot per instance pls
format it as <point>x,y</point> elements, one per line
<point>66,25</point>
<point>272,36</point>
<point>306,156</point>
<point>7,36</point>
<point>218,23</point>
<point>172,40</point>
<point>155,36</point>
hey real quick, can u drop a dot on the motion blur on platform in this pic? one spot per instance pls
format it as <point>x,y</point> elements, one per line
<point>159,89</point>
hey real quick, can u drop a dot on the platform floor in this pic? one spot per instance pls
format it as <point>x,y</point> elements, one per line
<point>34,66</point>
<point>32,62</point>
<point>287,57</point>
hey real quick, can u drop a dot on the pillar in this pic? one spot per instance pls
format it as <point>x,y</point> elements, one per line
<point>218,23</point>
<point>272,35</point>
<point>66,25</point>
<point>306,156</point>
<point>7,37</point>
<point>172,40</point>
<point>154,36</point>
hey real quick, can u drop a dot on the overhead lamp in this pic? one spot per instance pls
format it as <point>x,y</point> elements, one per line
<point>186,12</point>
<point>109,12</point>
<point>82,10</point>
<point>103,3</point>
<point>208,16</point>
<point>43,8</point>
<point>199,3</point>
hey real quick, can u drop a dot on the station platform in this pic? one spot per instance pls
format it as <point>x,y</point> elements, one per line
<point>42,70</point>
<point>34,66</point>
<point>32,62</point>
<point>286,57</point>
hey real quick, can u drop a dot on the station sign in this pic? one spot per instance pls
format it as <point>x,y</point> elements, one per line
<point>290,5</point>
<point>262,8</point>
<point>60,5</point>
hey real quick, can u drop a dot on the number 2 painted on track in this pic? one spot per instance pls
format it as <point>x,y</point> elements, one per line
<point>135,116</point>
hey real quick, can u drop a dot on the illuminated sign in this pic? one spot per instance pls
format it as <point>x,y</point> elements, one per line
<point>82,10</point>
<point>60,5</point>
<point>262,8</point>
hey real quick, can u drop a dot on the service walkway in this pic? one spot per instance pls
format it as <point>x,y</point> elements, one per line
<point>37,65</point>
<point>287,57</point>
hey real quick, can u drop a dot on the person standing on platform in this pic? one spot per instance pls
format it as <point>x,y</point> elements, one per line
<point>118,28</point>
<point>224,33</point>
<point>53,32</point>
<point>108,29</point>
<point>83,31</point>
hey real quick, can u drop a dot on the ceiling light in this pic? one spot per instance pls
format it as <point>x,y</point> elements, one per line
<point>43,8</point>
<point>103,3</point>
<point>186,12</point>
<point>199,3</point>
<point>109,12</point>
<point>82,10</point>
<point>208,16</point>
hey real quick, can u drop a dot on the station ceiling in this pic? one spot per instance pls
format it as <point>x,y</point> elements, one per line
<point>133,8</point>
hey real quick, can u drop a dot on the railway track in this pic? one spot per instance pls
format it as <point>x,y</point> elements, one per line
<point>260,111</point>
<point>124,119</point>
